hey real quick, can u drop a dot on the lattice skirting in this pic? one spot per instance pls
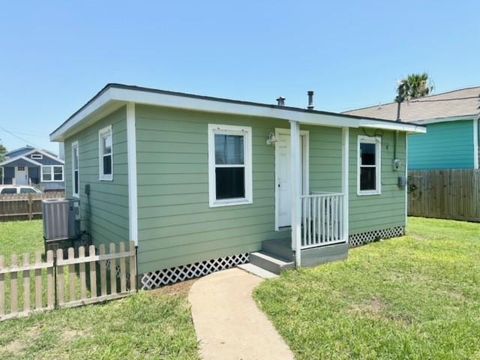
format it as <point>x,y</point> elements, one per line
<point>163,277</point>
<point>370,236</point>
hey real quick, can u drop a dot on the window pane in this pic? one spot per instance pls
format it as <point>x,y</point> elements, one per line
<point>107,144</point>
<point>9,191</point>
<point>368,178</point>
<point>230,183</point>
<point>75,181</point>
<point>367,153</point>
<point>75,158</point>
<point>57,173</point>
<point>47,173</point>
<point>27,191</point>
<point>228,149</point>
<point>107,165</point>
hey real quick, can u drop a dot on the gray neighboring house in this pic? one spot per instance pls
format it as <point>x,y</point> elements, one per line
<point>31,166</point>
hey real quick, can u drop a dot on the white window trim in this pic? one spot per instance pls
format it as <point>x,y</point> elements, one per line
<point>247,155</point>
<point>75,145</point>
<point>101,133</point>
<point>36,156</point>
<point>378,166</point>
<point>52,173</point>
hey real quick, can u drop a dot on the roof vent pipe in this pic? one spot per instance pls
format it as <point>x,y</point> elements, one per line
<point>281,101</point>
<point>310,100</point>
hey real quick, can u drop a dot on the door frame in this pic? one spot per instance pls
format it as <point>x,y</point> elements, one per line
<point>305,169</point>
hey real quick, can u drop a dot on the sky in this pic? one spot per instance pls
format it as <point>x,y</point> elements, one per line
<point>55,55</point>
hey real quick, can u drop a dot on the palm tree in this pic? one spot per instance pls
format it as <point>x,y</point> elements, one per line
<point>413,87</point>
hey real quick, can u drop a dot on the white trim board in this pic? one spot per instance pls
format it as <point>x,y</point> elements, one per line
<point>115,96</point>
<point>132,173</point>
<point>377,141</point>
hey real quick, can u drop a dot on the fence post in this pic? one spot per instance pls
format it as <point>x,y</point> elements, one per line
<point>30,207</point>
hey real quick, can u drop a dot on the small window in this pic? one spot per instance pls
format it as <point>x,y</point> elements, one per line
<point>52,173</point>
<point>369,160</point>
<point>36,156</point>
<point>105,153</point>
<point>21,168</point>
<point>75,170</point>
<point>230,165</point>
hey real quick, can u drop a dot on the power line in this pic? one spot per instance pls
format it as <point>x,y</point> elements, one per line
<point>19,137</point>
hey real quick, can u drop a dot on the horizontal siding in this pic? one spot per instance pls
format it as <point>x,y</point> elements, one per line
<point>376,212</point>
<point>447,145</point>
<point>105,214</point>
<point>176,224</point>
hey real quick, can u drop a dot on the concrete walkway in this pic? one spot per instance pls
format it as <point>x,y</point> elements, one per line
<point>228,323</point>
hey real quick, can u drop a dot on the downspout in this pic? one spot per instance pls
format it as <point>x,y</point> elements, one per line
<point>476,145</point>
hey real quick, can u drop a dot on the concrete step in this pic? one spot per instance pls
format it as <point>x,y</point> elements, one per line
<point>281,248</point>
<point>257,271</point>
<point>270,262</point>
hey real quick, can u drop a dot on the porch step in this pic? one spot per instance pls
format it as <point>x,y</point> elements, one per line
<point>270,262</point>
<point>257,271</point>
<point>281,248</point>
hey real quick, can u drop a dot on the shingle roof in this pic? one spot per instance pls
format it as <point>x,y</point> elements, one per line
<point>456,103</point>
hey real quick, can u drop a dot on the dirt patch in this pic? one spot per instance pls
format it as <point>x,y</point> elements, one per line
<point>375,306</point>
<point>71,335</point>
<point>181,288</point>
<point>18,346</point>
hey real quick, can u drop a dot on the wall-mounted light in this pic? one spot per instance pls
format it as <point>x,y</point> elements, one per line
<point>271,140</point>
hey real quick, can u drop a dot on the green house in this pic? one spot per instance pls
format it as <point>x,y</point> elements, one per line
<point>202,184</point>
<point>452,119</point>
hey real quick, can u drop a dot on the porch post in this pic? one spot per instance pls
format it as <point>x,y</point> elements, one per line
<point>345,175</point>
<point>296,171</point>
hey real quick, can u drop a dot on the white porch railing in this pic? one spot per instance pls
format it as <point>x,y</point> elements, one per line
<point>322,219</point>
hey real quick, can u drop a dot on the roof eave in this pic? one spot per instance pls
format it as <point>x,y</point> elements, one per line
<point>112,97</point>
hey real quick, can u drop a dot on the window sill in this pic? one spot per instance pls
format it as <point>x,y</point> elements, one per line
<point>368,193</point>
<point>231,202</point>
<point>50,181</point>
<point>105,178</point>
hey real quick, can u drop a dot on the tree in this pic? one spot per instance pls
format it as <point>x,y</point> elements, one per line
<point>413,87</point>
<point>3,151</point>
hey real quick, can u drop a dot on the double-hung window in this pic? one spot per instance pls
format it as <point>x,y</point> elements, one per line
<point>52,173</point>
<point>75,170</point>
<point>230,165</point>
<point>105,153</point>
<point>369,165</point>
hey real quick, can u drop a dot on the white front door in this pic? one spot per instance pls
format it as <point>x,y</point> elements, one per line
<point>283,176</point>
<point>21,175</point>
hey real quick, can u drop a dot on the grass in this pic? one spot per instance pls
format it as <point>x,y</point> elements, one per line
<point>144,326</point>
<point>417,297</point>
<point>153,325</point>
<point>19,237</point>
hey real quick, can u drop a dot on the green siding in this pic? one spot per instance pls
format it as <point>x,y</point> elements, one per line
<point>106,217</point>
<point>447,145</point>
<point>386,210</point>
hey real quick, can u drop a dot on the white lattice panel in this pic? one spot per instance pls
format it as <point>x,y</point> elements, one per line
<point>163,277</point>
<point>370,236</point>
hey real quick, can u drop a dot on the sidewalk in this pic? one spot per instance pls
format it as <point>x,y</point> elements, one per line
<point>228,323</point>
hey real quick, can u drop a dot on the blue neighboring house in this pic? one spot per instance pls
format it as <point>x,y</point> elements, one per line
<point>31,166</point>
<point>452,120</point>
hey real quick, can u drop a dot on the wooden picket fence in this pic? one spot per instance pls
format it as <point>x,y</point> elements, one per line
<point>25,206</point>
<point>445,194</point>
<point>72,278</point>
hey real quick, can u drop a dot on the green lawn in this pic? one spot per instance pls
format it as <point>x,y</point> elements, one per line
<point>19,237</point>
<point>143,326</point>
<point>417,297</point>
<point>153,325</point>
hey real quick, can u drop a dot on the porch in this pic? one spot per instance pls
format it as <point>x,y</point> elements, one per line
<point>317,220</point>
